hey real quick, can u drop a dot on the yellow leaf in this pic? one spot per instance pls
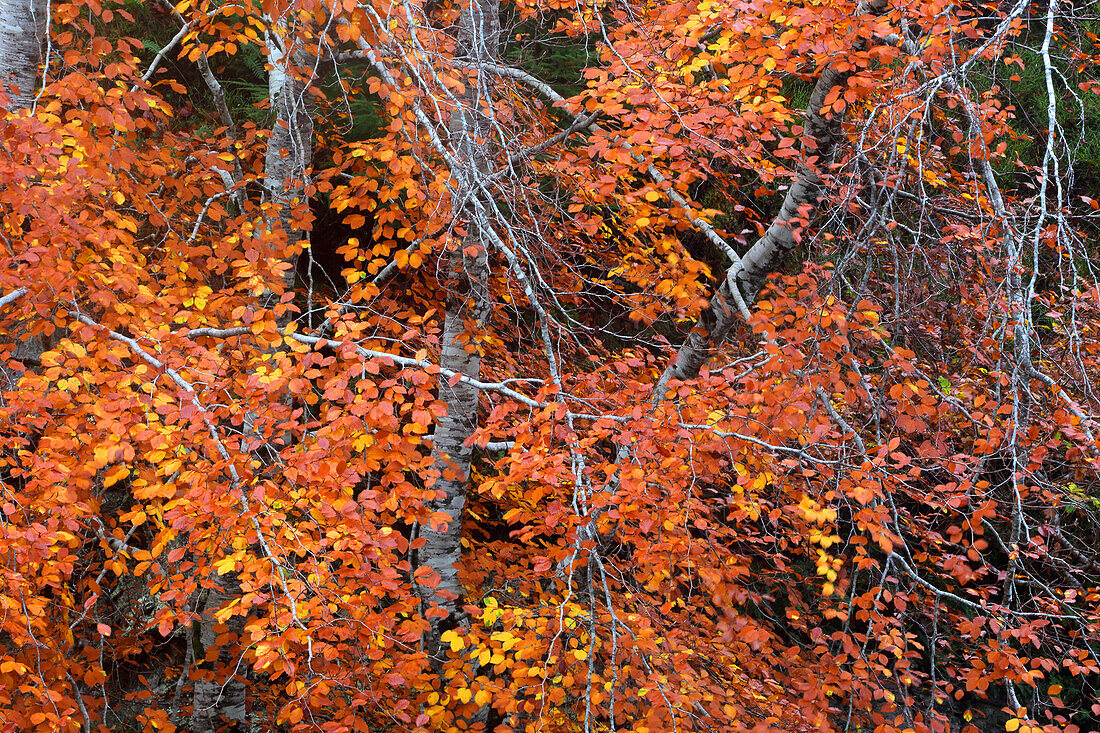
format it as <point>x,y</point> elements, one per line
<point>491,613</point>
<point>464,695</point>
<point>451,637</point>
<point>1012,725</point>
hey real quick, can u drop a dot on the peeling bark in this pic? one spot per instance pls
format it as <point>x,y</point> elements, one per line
<point>290,150</point>
<point>442,550</point>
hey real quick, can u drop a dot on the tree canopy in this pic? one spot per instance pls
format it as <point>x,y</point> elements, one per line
<point>475,365</point>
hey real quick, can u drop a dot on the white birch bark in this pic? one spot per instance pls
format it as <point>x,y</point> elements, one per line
<point>745,277</point>
<point>290,148</point>
<point>467,309</point>
<point>22,26</point>
<point>220,696</point>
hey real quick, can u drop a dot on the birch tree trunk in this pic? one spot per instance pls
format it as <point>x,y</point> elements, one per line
<point>220,694</point>
<point>22,25</point>
<point>290,149</point>
<point>467,308</point>
<point>220,697</point>
<point>746,276</point>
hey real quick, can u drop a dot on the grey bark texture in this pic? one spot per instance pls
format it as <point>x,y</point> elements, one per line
<point>467,306</point>
<point>747,275</point>
<point>220,696</point>
<point>22,27</point>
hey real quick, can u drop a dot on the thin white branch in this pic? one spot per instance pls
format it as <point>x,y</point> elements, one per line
<point>662,183</point>
<point>12,296</point>
<point>164,52</point>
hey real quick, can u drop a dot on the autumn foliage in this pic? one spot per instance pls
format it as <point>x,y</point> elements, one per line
<point>780,320</point>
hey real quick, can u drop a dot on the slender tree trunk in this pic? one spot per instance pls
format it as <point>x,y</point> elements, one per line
<point>22,25</point>
<point>220,693</point>
<point>467,309</point>
<point>290,149</point>
<point>219,699</point>
<point>746,276</point>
